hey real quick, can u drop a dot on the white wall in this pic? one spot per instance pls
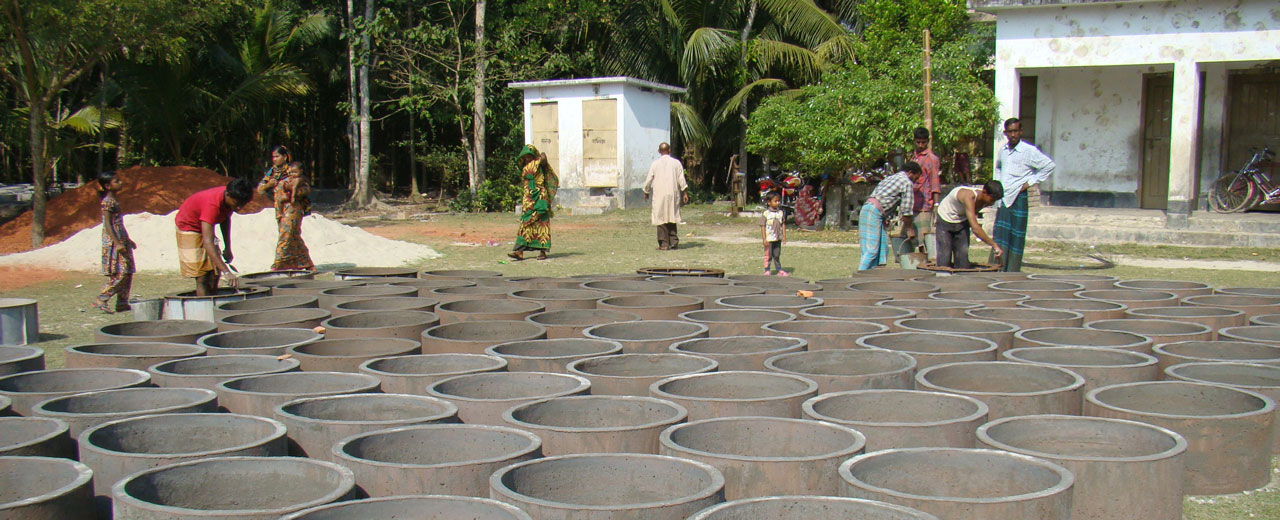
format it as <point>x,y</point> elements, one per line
<point>1089,120</point>
<point>646,122</point>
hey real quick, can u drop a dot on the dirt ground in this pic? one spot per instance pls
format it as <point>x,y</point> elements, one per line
<point>13,278</point>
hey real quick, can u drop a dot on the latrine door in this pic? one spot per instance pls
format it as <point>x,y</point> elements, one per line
<point>600,143</point>
<point>1157,124</point>
<point>546,131</point>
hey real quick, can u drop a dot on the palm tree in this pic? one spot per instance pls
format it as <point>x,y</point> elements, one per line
<point>726,54</point>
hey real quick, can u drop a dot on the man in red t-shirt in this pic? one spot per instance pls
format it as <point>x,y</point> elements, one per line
<point>198,253</point>
<point>928,190</point>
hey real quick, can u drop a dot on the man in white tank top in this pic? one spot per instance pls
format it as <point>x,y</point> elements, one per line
<point>956,215</point>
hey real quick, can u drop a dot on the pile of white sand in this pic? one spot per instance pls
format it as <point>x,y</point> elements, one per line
<point>253,241</point>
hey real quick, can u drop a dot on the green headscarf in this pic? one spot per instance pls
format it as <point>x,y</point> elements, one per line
<point>527,150</point>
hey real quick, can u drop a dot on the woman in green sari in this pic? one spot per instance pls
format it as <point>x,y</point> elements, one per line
<point>539,184</point>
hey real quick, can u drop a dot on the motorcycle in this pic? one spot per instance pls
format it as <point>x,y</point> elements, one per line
<point>788,186</point>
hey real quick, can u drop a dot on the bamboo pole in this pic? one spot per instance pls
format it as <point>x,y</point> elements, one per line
<point>928,89</point>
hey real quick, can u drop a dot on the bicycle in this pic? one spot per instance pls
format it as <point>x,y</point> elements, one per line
<point>1247,188</point>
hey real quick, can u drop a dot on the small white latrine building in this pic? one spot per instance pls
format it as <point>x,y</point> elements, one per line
<point>600,135</point>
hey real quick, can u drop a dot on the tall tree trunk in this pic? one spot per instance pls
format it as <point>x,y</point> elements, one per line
<point>102,123</point>
<point>353,129</point>
<point>415,195</point>
<point>478,119</point>
<point>35,126</point>
<point>742,109</point>
<point>364,192</point>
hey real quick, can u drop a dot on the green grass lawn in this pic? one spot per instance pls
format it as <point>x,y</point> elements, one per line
<point>624,241</point>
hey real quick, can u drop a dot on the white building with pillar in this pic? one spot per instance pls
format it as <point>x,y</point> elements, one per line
<point>1141,104</point>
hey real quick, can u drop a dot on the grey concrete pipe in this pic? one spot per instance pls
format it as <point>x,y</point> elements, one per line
<point>781,286</point>
<point>414,374</point>
<point>1228,431</point>
<point>547,283</point>
<point>685,281</point>
<point>735,322</point>
<point>1092,310</point>
<point>84,411</point>
<point>1098,366</point>
<point>647,337</point>
<point>119,448</point>
<point>590,277</point>
<point>739,279</point>
<point>361,273</point>
<point>458,274</point>
<point>45,488</point>
<point>833,297</point>
<point>1249,291</point>
<point>841,284</point>
<point>1263,379</point>
<point>739,352</point>
<point>896,289</point>
<point>881,314</point>
<point>265,342</point>
<point>1081,337</point>
<point>825,334</point>
<point>472,337</point>
<point>248,488</point>
<point>902,418</point>
<point>1123,469</point>
<point>443,459</point>
<point>988,298</point>
<point>312,287</point>
<point>1264,319</point>
<point>1091,282</point>
<point>1213,317</point>
<point>1028,318</point>
<point>708,294</point>
<point>1269,334</point>
<point>596,423</point>
<point>997,331</point>
<point>478,292</point>
<point>933,348</point>
<point>551,355</point>
<point>889,273</point>
<point>330,298</point>
<point>571,323</point>
<point>316,424</point>
<point>206,372</point>
<point>153,331</point>
<point>962,484</point>
<point>1179,288</point>
<point>625,287</point>
<point>631,374</point>
<point>426,285</point>
<point>561,299</point>
<point>970,282</point>
<point>482,398</point>
<point>809,507</point>
<point>134,355</point>
<point>260,395</point>
<point>653,306</point>
<point>391,303</point>
<point>1160,331</point>
<point>1008,388</point>
<point>793,304</point>
<point>1216,352</point>
<point>737,393</point>
<point>286,318</point>
<point>265,303</point>
<point>346,355</point>
<point>187,305</point>
<point>484,310</point>
<point>20,358</point>
<point>934,308</point>
<point>621,486</point>
<point>422,507</point>
<point>1132,298</point>
<point>1039,289</point>
<point>848,369</point>
<point>766,456</point>
<point>380,324</point>
<point>35,437</point>
<point>26,389</point>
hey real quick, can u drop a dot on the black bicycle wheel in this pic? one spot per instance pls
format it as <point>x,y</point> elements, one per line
<point>1231,193</point>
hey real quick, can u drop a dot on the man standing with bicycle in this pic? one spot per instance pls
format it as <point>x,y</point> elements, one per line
<point>1019,165</point>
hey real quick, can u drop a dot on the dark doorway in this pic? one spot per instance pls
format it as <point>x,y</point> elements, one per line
<point>1157,110</point>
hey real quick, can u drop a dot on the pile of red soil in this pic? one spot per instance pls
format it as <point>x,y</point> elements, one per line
<point>158,191</point>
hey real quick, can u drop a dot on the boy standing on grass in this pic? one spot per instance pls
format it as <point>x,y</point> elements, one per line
<point>117,248</point>
<point>198,253</point>
<point>773,230</point>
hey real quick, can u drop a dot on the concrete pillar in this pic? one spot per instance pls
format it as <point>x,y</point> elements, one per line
<point>1007,96</point>
<point>1182,143</point>
<point>1214,127</point>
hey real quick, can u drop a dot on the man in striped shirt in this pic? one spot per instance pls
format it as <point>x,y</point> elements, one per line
<point>891,198</point>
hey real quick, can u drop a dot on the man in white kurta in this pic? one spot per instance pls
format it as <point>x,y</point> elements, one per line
<point>667,186</point>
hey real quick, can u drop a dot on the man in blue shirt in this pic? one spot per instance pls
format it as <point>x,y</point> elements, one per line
<point>1019,165</point>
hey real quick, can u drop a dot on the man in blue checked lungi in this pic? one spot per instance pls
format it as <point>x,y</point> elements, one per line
<point>1019,165</point>
<point>891,198</point>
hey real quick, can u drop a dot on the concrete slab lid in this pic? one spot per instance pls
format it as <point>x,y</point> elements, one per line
<point>82,476</point>
<point>625,80</point>
<point>1066,480</point>
<point>980,408</point>
<point>1268,405</point>
<point>278,430</point>
<point>830,503</point>
<point>1179,442</point>
<point>346,481</point>
<point>534,444</point>
<point>859,440</point>
<point>679,415</point>
<point>712,488</point>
